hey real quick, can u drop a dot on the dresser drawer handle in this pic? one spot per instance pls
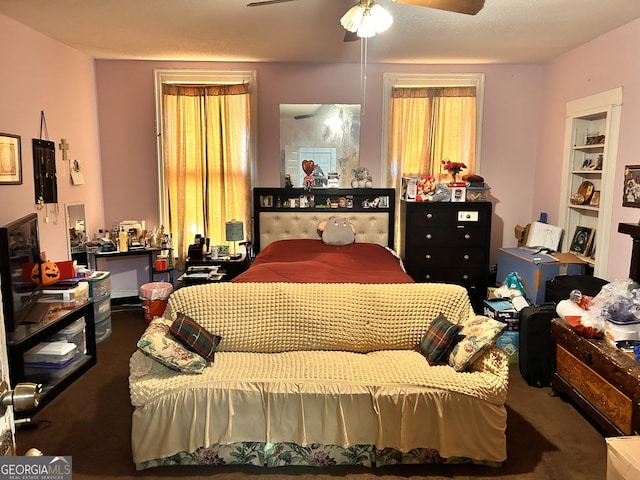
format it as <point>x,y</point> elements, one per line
<point>465,277</point>
<point>427,256</point>
<point>467,236</point>
<point>427,277</point>
<point>466,256</point>
<point>428,236</point>
<point>429,216</point>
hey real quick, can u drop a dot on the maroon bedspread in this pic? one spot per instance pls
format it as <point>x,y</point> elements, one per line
<point>311,261</point>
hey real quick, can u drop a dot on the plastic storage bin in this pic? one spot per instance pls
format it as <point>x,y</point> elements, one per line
<point>50,354</point>
<point>74,333</point>
<point>103,330</point>
<point>101,308</point>
<point>154,298</point>
<point>47,375</point>
<point>99,284</point>
<point>622,331</point>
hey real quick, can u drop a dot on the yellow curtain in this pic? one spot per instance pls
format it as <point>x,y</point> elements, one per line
<point>427,125</point>
<point>206,135</point>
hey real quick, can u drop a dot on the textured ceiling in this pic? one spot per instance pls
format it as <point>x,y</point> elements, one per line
<point>505,31</point>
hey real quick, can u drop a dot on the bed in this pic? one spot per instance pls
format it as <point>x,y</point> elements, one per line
<point>312,261</point>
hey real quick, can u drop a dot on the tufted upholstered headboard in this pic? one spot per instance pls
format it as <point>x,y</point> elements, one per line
<point>272,222</point>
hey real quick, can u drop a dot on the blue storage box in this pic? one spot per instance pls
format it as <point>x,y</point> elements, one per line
<point>534,269</point>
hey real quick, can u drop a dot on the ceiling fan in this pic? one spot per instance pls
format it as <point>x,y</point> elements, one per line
<point>469,7</point>
<point>366,18</point>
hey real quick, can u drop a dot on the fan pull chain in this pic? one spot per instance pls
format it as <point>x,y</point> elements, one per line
<point>363,73</point>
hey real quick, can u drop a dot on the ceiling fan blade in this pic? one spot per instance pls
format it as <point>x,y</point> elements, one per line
<point>350,36</point>
<point>469,7</point>
<point>267,2</point>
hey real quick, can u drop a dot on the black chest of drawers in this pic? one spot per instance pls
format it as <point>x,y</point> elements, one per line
<point>448,242</point>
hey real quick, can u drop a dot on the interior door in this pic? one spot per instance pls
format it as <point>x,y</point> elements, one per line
<point>7,425</point>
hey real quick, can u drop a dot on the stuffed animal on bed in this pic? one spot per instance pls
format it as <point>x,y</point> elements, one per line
<point>337,232</point>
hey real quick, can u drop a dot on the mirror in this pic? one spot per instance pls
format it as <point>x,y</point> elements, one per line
<point>328,134</point>
<point>76,232</point>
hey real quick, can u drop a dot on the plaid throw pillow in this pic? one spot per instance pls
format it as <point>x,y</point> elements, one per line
<point>438,340</point>
<point>194,336</point>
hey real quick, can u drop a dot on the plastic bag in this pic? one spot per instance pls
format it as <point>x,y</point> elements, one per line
<point>511,287</point>
<point>156,291</point>
<point>618,302</point>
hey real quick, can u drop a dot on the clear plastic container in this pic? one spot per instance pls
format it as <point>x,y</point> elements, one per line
<point>74,333</point>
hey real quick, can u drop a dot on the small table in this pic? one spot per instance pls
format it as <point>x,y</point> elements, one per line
<point>150,253</point>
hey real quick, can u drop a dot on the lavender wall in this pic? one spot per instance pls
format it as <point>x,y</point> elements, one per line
<point>608,62</point>
<point>125,104</point>
<point>522,138</point>
<point>40,74</point>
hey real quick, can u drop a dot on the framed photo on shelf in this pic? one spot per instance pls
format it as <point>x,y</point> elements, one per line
<point>10,159</point>
<point>581,241</point>
<point>595,199</point>
<point>631,195</point>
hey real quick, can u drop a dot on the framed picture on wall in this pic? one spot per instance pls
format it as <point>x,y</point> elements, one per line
<point>581,241</point>
<point>10,159</point>
<point>631,188</point>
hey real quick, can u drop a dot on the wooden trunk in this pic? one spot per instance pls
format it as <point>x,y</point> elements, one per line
<point>602,379</point>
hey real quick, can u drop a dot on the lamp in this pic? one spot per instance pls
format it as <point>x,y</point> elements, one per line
<point>366,18</point>
<point>234,233</point>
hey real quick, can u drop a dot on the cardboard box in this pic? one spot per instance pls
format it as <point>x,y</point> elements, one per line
<point>623,457</point>
<point>510,343</point>
<point>503,311</point>
<point>534,269</point>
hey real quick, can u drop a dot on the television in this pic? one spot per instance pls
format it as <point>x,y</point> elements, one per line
<point>19,269</point>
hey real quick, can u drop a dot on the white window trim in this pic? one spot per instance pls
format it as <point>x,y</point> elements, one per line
<point>203,77</point>
<point>390,80</point>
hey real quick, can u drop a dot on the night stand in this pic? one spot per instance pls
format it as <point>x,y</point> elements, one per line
<point>230,267</point>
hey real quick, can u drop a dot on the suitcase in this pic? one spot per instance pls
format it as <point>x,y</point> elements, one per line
<point>560,287</point>
<point>537,348</point>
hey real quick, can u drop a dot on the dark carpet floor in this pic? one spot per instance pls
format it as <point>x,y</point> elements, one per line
<point>91,422</point>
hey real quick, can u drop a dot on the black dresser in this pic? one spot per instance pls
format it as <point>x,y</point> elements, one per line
<point>448,242</point>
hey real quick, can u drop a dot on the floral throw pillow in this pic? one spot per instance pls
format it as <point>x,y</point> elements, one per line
<point>438,339</point>
<point>194,336</point>
<point>478,334</point>
<point>158,343</point>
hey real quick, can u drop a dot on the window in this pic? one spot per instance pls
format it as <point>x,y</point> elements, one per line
<point>431,118</point>
<point>205,150</point>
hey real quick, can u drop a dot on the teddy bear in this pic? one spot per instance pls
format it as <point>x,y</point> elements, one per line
<point>361,178</point>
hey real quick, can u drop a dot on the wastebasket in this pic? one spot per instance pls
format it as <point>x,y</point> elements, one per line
<point>154,298</point>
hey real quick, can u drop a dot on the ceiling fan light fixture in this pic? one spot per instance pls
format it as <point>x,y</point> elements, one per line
<point>366,19</point>
<point>382,19</point>
<point>352,19</point>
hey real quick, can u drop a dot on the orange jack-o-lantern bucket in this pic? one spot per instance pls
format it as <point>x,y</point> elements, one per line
<point>45,273</point>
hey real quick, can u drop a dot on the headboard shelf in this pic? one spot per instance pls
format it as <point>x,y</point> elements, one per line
<point>372,211</point>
